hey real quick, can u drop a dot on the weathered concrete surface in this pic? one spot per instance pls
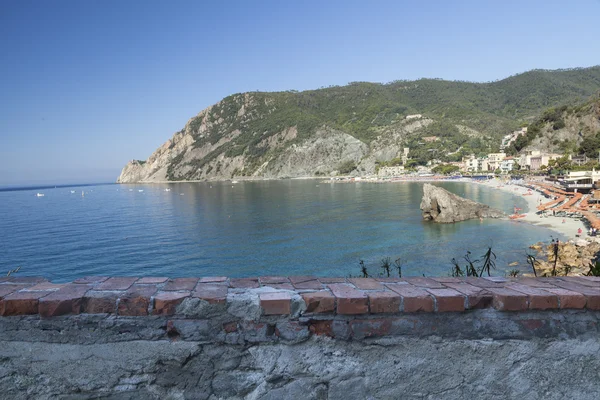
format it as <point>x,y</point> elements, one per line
<point>482,354</point>
<point>439,205</point>
<point>320,368</point>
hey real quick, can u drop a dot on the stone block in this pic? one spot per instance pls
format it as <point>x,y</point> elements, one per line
<point>476,297</point>
<point>91,279</point>
<point>364,328</point>
<point>422,282</point>
<point>307,285</point>
<point>45,286</point>
<point>213,279</point>
<point>8,288</point>
<point>268,280</point>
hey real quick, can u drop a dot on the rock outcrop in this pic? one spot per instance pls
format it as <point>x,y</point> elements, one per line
<point>439,205</point>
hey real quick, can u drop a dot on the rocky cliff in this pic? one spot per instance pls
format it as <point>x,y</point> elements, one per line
<point>352,129</point>
<point>439,205</point>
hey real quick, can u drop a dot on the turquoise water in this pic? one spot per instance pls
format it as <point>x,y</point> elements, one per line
<point>286,227</point>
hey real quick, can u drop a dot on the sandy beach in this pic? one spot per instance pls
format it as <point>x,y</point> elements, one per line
<point>565,226</point>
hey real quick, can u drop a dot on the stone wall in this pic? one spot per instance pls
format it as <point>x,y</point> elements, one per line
<point>300,338</point>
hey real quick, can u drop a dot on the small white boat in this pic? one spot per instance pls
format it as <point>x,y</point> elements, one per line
<point>181,194</point>
<point>72,191</point>
<point>141,190</point>
<point>167,190</point>
<point>234,181</point>
<point>40,194</point>
<point>82,193</point>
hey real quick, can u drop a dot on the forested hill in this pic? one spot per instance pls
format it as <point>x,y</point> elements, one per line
<point>356,126</point>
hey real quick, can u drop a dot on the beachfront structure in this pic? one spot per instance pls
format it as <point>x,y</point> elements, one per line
<point>391,171</point>
<point>474,164</point>
<point>579,180</point>
<point>537,162</point>
<point>494,160</point>
<point>507,165</point>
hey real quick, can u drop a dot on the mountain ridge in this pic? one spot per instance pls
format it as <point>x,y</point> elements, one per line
<point>315,132</point>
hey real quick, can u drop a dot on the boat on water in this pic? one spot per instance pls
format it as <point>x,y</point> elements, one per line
<point>141,190</point>
<point>234,181</point>
<point>167,190</point>
<point>40,194</point>
<point>72,191</point>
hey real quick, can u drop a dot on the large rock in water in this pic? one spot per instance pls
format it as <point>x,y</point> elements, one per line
<point>440,205</point>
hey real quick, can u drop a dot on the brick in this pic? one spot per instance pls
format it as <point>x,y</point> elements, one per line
<point>508,300</point>
<point>424,283</point>
<point>319,302</point>
<point>95,302</point>
<point>484,283</point>
<point>210,292</point>
<point>181,284</point>
<point>45,286</point>
<point>21,303</point>
<point>117,283</point>
<point>476,297</point>
<point>300,279</point>
<point>448,279</point>
<point>67,300</point>
<point>321,327</point>
<point>91,279</point>
<point>165,303</point>
<point>152,280</point>
<point>537,282</point>
<point>314,284</point>
<point>327,281</point>
<point>384,302</point>
<point>592,295</point>
<point>538,299</point>
<point>135,302</point>
<point>8,288</point>
<point>349,300</point>
<point>213,279</point>
<point>388,280</point>
<point>244,283</point>
<point>448,300</point>
<point>366,283</point>
<point>276,303</point>
<point>413,298</point>
<point>582,280</point>
<point>568,298</point>
<point>266,280</point>
<point>26,280</point>
<point>363,328</point>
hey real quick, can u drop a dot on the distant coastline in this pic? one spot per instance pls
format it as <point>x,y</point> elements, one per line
<point>17,187</point>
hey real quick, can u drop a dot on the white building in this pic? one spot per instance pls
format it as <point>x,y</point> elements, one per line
<point>507,164</point>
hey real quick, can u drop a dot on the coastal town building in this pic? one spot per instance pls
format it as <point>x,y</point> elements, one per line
<point>494,160</point>
<point>537,162</point>
<point>507,165</point>
<point>414,116</point>
<point>579,180</point>
<point>474,164</point>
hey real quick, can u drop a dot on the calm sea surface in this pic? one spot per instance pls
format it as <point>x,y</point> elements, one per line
<point>247,229</point>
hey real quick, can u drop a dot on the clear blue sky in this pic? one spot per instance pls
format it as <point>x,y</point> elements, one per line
<point>86,86</point>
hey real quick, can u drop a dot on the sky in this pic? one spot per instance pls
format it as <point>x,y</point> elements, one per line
<point>86,86</point>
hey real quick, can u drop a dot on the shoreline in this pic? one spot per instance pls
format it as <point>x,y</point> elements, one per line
<point>565,226</point>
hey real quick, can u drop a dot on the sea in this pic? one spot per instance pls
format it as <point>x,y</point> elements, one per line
<point>246,229</point>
